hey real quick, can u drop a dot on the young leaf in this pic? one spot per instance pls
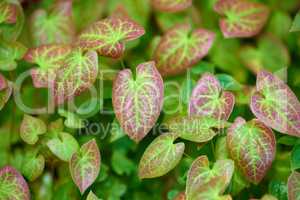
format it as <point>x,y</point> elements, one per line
<point>296,23</point>
<point>252,146</point>
<point>33,165</point>
<point>171,5</point>
<point>49,58</point>
<point>85,165</point>
<point>242,18</point>
<point>55,26</point>
<point>294,186</point>
<point>13,185</point>
<point>181,48</point>
<point>6,89</point>
<point>72,120</point>
<point>31,128</point>
<point>275,104</point>
<point>107,36</point>
<point>138,102</point>
<point>92,196</point>
<point>209,99</point>
<point>161,156</point>
<point>78,73</point>
<point>8,13</point>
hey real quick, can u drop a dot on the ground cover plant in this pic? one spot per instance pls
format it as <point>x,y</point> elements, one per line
<point>149,99</point>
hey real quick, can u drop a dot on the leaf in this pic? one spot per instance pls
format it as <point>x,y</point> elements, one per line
<point>171,5</point>
<point>275,104</point>
<point>200,174</point>
<point>242,18</point>
<point>72,120</point>
<point>63,146</point>
<point>294,186</point>
<point>180,48</point>
<point>85,165</point>
<point>8,13</point>
<point>6,89</point>
<point>195,128</point>
<point>296,23</point>
<point>116,131</point>
<point>227,82</point>
<point>121,164</point>
<point>295,157</point>
<point>55,26</point>
<point>13,185</point>
<point>33,165</point>
<point>107,36</point>
<point>161,156</point>
<point>138,101</point>
<point>31,128</point>
<point>252,146</point>
<point>92,196</point>
<point>78,73</point>
<point>278,189</point>
<point>209,99</point>
<point>180,196</point>
<point>3,83</point>
<point>49,58</point>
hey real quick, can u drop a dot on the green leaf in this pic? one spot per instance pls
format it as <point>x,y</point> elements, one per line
<point>161,156</point>
<point>33,165</point>
<point>296,23</point>
<point>171,5</point>
<point>294,186</point>
<point>72,120</point>
<point>121,164</point>
<point>31,128</point>
<point>92,196</point>
<point>116,131</point>
<point>278,189</point>
<point>295,157</point>
<point>227,82</point>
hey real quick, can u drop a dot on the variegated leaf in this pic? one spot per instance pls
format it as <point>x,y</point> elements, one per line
<point>171,5</point>
<point>33,164</point>
<point>3,82</point>
<point>78,73</point>
<point>85,165</point>
<point>138,101</point>
<point>243,18</point>
<point>8,13</point>
<point>12,185</point>
<point>209,99</point>
<point>161,156</point>
<point>252,146</point>
<point>275,104</point>
<point>49,58</point>
<point>294,186</point>
<point>6,88</point>
<point>181,48</point>
<point>107,36</point>
<point>92,196</point>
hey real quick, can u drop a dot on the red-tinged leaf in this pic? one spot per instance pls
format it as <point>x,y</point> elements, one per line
<point>209,99</point>
<point>92,196</point>
<point>5,93</point>
<point>8,13</point>
<point>161,156</point>
<point>275,104</point>
<point>55,26</point>
<point>85,165</point>
<point>49,58</point>
<point>180,196</point>
<point>180,48</point>
<point>252,146</point>
<point>31,128</point>
<point>294,186</point>
<point>3,82</point>
<point>107,36</point>
<point>12,185</point>
<point>78,73</point>
<point>200,174</point>
<point>171,5</point>
<point>243,18</point>
<point>138,102</point>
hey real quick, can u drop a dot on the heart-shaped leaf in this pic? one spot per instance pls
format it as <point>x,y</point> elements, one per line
<point>242,18</point>
<point>92,196</point>
<point>31,128</point>
<point>252,146</point>
<point>209,99</point>
<point>138,102</point>
<point>6,89</point>
<point>107,36</point>
<point>180,48</point>
<point>294,186</point>
<point>55,26</point>
<point>275,104</point>
<point>8,13</point>
<point>195,128</point>
<point>85,165</point>
<point>49,58</point>
<point>201,174</point>
<point>161,156</point>
<point>72,120</point>
<point>171,5</point>
<point>33,165</point>
<point>13,185</point>
<point>78,73</point>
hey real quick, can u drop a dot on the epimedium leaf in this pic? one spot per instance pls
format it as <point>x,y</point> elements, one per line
<point>275,104</point>
<point>31,128</point>
<point>161,156</point>
<point>116,131</point>
<point>107,36</point>
<point>13,185</point>
<point>6,89</point>
<point>54,26</point>
<point>171,5</point>
<point>294,186</point>
<point>137,102</point>
<point>242,18</point>
<point>49,58</point>
<point>8,13</point>
<point>227,82</point>
<point>92,196</point>
<point>296,23</point>
<point>85,165</point>
<point>33,164</point>
<point>295,157</point>
<point>72,120</point>
<point>209,99</point>
<point>77,74</point>
<point>252,146</point>
<point>181,48</point>
<point>3,82</point>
